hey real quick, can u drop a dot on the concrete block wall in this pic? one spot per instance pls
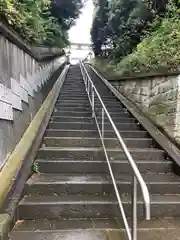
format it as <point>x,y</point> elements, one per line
<point>22,82</point>
<point>158,97</point>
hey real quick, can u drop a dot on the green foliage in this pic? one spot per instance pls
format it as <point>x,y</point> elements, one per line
<point>124,24</point>
<point>109,71</point>
<point>35,22</point>
<point>35,167</point>
<point>119,25</point>
<point>99,26</point>
<point>66,11</point>
<point>144,36</point>
<point>25,17</point>
<point>160,50</point>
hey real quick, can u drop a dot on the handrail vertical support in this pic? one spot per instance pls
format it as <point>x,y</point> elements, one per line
<point>88,86</point>
<point>134,209</point>
<point>86,80</point>
<point>102,124</point>
<point>92,101</point>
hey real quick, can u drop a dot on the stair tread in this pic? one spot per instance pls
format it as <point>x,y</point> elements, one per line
<point>93,199</point>
<point>90,122</point>
<point>101,149</point>
<point>95,223</point>
<point>86,130</point>
<point>95,141</point>
<point>95,234</point>
<point>106,138</point>
<point>60,160</point>
<point>49,178</point>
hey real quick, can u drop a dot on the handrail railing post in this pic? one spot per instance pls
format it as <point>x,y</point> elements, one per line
<point>102,127</point>
<point>134,209</point>
<point>85,81</point>
<point>92,101</point>
<point>88,83</point>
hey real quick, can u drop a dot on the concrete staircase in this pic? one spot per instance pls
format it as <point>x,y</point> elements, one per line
<point>71,195</point>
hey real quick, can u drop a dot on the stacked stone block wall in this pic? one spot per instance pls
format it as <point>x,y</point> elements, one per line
<point>158,97</point>
<point>24,84</point>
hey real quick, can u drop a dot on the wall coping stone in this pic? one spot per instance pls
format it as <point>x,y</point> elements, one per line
<point>140,76</point>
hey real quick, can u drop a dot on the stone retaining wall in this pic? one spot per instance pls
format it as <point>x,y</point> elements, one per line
<point>24,84</point>
<point>158,97</point>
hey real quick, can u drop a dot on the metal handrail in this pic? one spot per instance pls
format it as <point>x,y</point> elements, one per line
<point>132,235</point>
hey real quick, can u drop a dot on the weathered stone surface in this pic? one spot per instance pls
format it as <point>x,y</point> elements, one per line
<point>4,226</point>
<point>15,61</point>
<point>159,98</point>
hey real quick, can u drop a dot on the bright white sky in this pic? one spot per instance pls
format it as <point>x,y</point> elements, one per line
<point>80,33</point>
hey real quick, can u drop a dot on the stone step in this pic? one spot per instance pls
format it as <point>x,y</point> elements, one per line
<point>73,94</point>
<point>71,119</point>
<point>106,96</point>
<point>96,229</point>
<point>86,114</point>
<point>100,166</point>
<point>79,87</point>
<point>96,142</point>
<point>94,223</point>
<point>86,103</point>
<point>73,108</point>
<point>74,90</point>
<point>98,153</point>
<point>111,110</point>
<point>118,113</point>
<point>90,119</point>
<point>91,126</point>
<point>93,133</point>
<point>70,99</point>
<point>74,125</point>
<point>97,184</point>
<point>72,113</point>
<point>88,108</point>
<point>72,133</point>
<point>71,103</point>
<point>85,100</point>
<point>82,206</point>
<point>70,85</point>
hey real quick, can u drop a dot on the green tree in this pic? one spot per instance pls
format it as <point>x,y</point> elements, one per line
<point>37,22</point>
<point>99,26</point>
<point>128,21</point>
<point>66,11</point>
